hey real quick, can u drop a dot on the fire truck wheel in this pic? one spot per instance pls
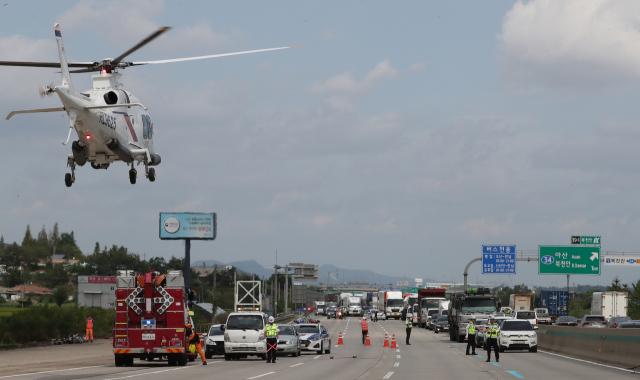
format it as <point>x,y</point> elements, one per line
<point>182,360</point>
<point>171,360</point>
<point>128,361</point>
<point>119,360</point>
<point>208,356</point>
<point>192,358</point>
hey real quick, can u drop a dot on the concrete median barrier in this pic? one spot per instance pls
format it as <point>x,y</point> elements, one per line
<point>612,346</point>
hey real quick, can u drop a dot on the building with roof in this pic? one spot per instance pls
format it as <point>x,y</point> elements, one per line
<point>97,291</point>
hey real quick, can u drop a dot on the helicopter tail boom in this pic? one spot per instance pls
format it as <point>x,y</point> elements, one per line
<point>66,77</point>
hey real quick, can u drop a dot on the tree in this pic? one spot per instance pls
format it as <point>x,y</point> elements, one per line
<point>54,236</point>
<point>67,246</point>
<point>61,295</point>
<point>28,240</point>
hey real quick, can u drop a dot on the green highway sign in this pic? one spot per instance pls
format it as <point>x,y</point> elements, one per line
<point>569,260</point>
<point>586,240</point>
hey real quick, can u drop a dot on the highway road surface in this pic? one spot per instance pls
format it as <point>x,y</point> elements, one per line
<point>430,356</point>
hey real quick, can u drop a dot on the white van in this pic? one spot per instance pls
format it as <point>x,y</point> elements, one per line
<point>527,315</point>
<point>244,335</point>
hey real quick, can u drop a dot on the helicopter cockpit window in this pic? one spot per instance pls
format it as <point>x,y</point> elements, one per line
<point>150,132</point>
<point>145,127</point>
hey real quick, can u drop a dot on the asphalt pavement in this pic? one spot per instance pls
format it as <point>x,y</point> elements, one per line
<point>429,356</point>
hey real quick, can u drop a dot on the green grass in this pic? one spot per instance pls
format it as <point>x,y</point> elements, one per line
<point>7,312</point>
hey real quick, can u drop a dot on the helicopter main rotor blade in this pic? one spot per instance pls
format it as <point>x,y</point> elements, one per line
<point>151,37</point>
<point>45,64</point>
<point>208,56</point>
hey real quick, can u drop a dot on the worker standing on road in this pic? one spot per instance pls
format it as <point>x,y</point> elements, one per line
<point>193,338</point>
<point>365,329</point>
<point>409,326</point>
<point>492,334</point>
<point>89,324</point>
<point>375,315</point>
<point>271,333</point>
<point>471,337</point>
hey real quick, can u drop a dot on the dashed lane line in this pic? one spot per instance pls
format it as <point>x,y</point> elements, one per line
<point>317,357</point>
<point>495,364</point>
<point>264,374</point>
<point>295,365</point>
<point>57,370</point>
<point>397,350</point>
<point>149,373</point>
<point>516,374</point>
<point>388,375</point>
<point>396,364</point>
<point>398,356</point>
<point>455,344</point>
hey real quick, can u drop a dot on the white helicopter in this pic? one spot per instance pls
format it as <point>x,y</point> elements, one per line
<point>111,123</point>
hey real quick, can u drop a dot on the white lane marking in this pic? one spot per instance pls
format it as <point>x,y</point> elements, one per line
<point>264,374</point>
<point>57,370</point>
<point>397,364</point>
<point>397,350</point>
<point>336,345</point>
<point>149,373</point>
<point>586,361</point>
<point>317,357</point>
<point>295,365</point>
<point>398,356</point>
<point>388,375</point>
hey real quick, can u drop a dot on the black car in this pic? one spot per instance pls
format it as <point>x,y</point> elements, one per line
<point>629,325</point>
<point>615,321</point>
<point>442,324</point>
<point>567,321</point>
<point>331,313</point>
<point>431,324</point>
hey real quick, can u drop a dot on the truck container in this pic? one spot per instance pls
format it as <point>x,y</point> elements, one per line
<point>520,302</point>
<point>556,301</point>
<point>390,302</point>
<point>151,315</point>
<point>429,301</point>
<point>609,304</point>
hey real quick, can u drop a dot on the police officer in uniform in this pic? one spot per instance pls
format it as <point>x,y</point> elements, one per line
<point>271,333</point>
<point>409,325</point>
<point>471,336</point>
<point>492,334</point>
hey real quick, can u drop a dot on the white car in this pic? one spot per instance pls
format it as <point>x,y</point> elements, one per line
<point>214,342</point>
<point>314,337</point>
<point>381,316</point>
<point>518,334</point>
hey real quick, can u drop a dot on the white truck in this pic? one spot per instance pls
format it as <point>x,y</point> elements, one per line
<point>520,302</point>
<point>391,303</point>
<point>244,335</point>
<point>542,315</point>
<point>429,306</point>
<point>354,305</point>
<point>407,303</point>
<point>443,308</point>
<point>320,308</point>
<point>343,299</point>
<point>610,304</point>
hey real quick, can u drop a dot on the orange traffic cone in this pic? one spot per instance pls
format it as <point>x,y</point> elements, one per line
<point>393,341</point>
<point>367,342</point>
<point>386,340</point>
<point>340,338</point>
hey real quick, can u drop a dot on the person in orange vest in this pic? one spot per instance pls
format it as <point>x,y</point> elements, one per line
<point>89,325</point>
<point>365,329</point>
<point>193,338</point>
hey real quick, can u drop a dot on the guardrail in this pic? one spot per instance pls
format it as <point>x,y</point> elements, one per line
<point>613,346</point>
<point>283,317</point>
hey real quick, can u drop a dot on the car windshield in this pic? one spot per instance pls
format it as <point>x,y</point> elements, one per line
<point>432,312</point>
<point>286,330</point>
<point>526,315</point>
<point>595,319</point>
<point>442,318</point>
<point>516,326</point>
<point>481,323</point>
<point>567,319</point>
<point>620,319</point>
<point>394,303</point>
<point>244,322</point>
<point>215,330</point>
<point>435,316</point>
<point>477,306</point>
<point>308,329</point>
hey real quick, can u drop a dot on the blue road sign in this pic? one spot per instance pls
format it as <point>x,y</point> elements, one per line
<point>498,259</point>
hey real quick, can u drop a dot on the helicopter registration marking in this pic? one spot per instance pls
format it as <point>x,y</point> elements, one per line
<point>128,121</point>
<point>107,120</point>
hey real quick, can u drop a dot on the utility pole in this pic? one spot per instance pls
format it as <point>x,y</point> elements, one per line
<point>286,288</point>
<point>213,303</point>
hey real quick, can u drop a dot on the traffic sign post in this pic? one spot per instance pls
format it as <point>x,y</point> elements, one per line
<point>596,240</point>
<point>498,259</point>
<point>569,260</point>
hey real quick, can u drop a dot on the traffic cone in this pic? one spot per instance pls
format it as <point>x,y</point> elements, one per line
<point>393,341</point>
<point>340,338</point>
<point>386,340</point>
<point>367,342</point>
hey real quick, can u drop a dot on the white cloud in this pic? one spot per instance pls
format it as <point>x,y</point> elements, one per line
<point>485,227</point>
<point>418,66</point>
<point>346,83</point>
<point>581,44</point>
<point>321,220</point>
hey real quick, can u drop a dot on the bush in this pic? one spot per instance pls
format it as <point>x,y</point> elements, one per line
<point>43,323</point>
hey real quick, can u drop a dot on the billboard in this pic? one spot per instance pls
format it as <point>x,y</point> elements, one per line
<point>402,283</point>
<point>187,225</point>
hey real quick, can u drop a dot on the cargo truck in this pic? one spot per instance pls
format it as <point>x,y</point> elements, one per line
<point>556,302</point>
<point>463,307</point>
<point>429,301</point>
<point>391,303</point>
<point>609,304</point>
<point>520,302</point>
<point>151,315</point>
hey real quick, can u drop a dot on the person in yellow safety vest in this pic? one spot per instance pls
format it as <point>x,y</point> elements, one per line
<point>193,338</point>
<point>272,335</point>
<point>89,325</point>
<point>491,335</point>
<point>471,337</point>
<point>409,325</point>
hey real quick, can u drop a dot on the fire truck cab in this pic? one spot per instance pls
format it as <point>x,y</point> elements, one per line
<point>151,315</point>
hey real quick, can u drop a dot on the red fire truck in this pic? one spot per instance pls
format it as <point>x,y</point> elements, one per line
<point>151,315</point>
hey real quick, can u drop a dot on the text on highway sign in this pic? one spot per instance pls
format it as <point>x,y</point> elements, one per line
<point>586,240</point>
<point>569,260</point>
<point>498,259</point>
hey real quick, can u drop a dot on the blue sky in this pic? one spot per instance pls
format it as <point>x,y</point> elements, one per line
<point>399,138</point>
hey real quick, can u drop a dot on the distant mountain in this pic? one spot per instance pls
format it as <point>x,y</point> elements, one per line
<point>343,275</point>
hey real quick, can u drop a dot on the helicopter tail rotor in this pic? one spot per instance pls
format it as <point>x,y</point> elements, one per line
<point>48,90</point>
